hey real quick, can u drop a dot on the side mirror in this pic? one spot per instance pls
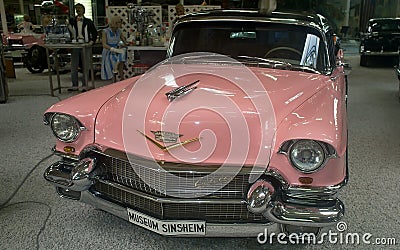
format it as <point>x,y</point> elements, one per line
<point>341,63</point>
<point>346,67</point>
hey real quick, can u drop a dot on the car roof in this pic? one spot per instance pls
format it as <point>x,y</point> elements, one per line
<point>384,19</point>
<point>312,20</point>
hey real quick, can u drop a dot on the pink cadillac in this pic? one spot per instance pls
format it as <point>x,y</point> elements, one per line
<point>241,129</point>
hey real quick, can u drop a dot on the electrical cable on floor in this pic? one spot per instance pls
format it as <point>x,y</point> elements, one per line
<point>4,205</point>
<point>23,181</point>
<point>45,221</point>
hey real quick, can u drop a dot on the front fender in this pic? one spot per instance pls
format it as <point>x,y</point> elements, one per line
<point>85,108</point>
<point>323,118</point>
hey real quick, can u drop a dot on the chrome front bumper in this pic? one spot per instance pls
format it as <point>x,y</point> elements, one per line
<point>70,175</point>
<point>73,180</point>
<point>213,229</point>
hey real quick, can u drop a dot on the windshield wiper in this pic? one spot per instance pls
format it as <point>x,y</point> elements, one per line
<point>265,61</point>
<point>305,69</point>
<point>278,64</point>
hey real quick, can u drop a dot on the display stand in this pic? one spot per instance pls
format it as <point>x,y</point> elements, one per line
<point>144,57</point>
<point>55,47</point>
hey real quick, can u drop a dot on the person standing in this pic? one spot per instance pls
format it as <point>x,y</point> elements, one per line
<point>25,26</point>
<point>82,30</point>
<point>114,50</point>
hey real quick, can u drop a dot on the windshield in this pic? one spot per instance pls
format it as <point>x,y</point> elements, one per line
<point>292,44</point>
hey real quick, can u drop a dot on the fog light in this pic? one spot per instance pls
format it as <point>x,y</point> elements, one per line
<point>306,180</point>
<point>69,149</point>
<point>259,195</point>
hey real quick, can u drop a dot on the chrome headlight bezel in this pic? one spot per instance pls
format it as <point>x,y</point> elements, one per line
<point>65,128</point>
<point>324,151</point>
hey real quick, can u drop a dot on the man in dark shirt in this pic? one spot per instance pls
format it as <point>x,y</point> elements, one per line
<point>82,30</point>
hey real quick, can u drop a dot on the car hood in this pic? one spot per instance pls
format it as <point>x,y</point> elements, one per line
<point>226,119</point>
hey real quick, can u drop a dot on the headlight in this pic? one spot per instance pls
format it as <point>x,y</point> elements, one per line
<point>307,155</point>
<point>65,127</point>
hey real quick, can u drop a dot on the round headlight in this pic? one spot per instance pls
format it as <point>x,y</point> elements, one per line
<point>65,127</point>
<point>307,155</point>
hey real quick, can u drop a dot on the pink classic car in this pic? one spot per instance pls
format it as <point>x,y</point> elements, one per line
<point>241,129</point>
<point>33,44</point>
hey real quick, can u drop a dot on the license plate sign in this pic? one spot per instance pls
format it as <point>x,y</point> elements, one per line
<point>166,227</point>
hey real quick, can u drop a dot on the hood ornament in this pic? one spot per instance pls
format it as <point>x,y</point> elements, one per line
<point>181,91</point>
<point>171,146</point>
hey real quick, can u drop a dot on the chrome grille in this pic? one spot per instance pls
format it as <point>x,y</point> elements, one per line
<point>122,172</point>
<point>142,204</point>
<point>117,169</point>
<point>183,211</point>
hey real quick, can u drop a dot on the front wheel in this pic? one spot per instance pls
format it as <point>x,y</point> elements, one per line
<point>36,60</point>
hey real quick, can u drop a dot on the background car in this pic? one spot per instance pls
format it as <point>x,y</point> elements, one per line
<point>242,129</point>
<point>381,39</point>
<point>30,45</point>
<point>32,50</point>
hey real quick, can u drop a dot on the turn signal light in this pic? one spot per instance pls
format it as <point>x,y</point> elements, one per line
<point>305,180</point>
<point>69,149</point>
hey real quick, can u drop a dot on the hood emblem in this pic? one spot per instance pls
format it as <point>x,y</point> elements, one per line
<point>181,91</point>
<point>164,136</point>
<point>171,146</point>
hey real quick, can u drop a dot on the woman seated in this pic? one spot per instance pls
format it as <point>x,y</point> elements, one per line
<point>114,50</point>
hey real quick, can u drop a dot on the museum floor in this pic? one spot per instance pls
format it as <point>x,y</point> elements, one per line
<point>32,216</point>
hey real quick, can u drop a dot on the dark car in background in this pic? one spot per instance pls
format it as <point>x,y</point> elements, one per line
<point>381,39</point>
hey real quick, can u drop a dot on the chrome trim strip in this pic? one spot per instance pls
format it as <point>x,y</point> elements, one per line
<point>171,200</point>
<point>325,211</point>
<point>276,175</point>
<point>397,70</point>
<point>173,167</point>
<point>316,192</point>
<point>47,118</point>
<point>308,216</point>
<point>378,53</point>
<point>303,192</point>
<point>212,229</point>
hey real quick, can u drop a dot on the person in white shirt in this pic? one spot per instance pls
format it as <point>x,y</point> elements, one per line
<point>82,30</point>
<point>25,25</point>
